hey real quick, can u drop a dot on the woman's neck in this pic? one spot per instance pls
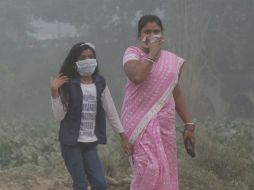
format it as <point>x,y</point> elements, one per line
<point>146,50</point>
<point>86,79</point>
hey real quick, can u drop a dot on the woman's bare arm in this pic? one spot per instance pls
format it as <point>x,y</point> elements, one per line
<point>137,72</point>
<point>181,108</point>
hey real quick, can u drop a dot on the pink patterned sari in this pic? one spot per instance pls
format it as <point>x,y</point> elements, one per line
<point>148,117</point>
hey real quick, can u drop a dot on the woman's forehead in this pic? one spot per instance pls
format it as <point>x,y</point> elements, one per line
<point>151,25</point>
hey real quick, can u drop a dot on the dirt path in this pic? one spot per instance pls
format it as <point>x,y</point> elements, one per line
<point>31,177</point>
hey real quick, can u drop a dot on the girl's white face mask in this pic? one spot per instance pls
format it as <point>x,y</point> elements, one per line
<point>86,67</point>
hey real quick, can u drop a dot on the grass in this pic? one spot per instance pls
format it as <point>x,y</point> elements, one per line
<point>29,155</point>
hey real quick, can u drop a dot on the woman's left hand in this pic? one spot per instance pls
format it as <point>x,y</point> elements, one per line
<point>189,141</point>
<point>127,147</point>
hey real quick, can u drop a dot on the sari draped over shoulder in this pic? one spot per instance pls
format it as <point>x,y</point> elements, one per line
<point>148,117</point>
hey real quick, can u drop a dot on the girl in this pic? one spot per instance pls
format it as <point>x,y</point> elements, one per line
<point>81,101</point>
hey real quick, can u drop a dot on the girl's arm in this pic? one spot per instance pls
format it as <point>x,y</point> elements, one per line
<point>57,108</point>
<point>110,111</point>
<point>112,115</point>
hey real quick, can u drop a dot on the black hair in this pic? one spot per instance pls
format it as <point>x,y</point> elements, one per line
<point>146,19</point>
<point>69,68</point>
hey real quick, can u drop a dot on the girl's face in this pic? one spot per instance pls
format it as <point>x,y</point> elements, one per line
<point>86,54</point>
<point>86,64</point>
<point>151,28</point>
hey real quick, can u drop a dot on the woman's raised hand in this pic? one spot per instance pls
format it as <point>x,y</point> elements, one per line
<point>155,47</point>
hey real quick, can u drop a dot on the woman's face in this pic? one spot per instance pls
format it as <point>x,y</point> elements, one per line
<point>151,28</point>
<point>86,54</point>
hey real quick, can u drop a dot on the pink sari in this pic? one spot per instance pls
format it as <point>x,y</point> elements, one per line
<point>148,117</point>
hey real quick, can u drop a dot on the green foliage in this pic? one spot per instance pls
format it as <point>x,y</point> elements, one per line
<point>224,154</point>
<point>26,142</point>
<point>113,158</point>
<point>224,157</point>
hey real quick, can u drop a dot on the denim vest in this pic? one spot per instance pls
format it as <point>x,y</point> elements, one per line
<point>70,125</point>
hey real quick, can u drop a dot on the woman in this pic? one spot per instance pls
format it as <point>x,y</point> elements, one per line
<point>152,94</point>
<point>81,100</point>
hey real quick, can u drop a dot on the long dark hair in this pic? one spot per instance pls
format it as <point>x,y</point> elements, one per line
<point>69,68</point>
<point>146,19</point>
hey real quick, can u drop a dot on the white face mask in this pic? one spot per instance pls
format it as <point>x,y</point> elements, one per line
<point>150,39</point>
<point>154,37</point>
<point>86,67</point>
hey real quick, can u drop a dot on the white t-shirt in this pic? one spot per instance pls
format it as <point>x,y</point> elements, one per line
<point>88,116</point>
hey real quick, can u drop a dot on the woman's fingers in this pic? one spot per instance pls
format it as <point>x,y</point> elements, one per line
<point>193,139</point>
<point>189,142</point>
<point>189,135</point>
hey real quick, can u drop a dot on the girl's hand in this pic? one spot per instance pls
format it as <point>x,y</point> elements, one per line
<point>189,141</point>
<point>127,147</point>
<point>56,82</point>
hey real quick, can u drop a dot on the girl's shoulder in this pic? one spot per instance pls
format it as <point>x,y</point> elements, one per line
<point>95,77</point>
<point>99,78</point>
<point>74,80</point>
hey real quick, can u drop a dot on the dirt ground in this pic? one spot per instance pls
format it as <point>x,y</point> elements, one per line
<point>30,177</point>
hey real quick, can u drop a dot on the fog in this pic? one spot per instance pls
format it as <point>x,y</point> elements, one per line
<point>215,37</point>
